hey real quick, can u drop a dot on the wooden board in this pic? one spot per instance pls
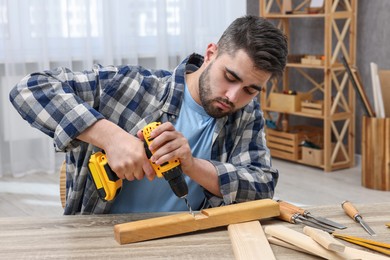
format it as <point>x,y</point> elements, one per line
<point>356,83</point>
<point>384,77</point>
<point>249,241</point>
<point>377,91</point>
<point>184,222</point>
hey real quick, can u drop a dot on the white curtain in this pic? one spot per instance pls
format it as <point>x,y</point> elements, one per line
<point>41,34</point>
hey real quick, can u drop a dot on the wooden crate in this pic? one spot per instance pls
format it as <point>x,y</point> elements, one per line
<point>313,107</point>
<point>281,102</point>
<point>286,145</point>
<point>312,156</point>
<point>315,157</point>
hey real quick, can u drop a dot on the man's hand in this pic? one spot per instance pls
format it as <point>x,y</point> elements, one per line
<point>169,144</point>
<point>125,153</point>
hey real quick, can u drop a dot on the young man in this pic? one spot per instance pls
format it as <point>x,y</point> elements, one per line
<point>211,122</point>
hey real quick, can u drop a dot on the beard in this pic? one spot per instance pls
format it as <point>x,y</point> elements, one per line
<point>205,96</point>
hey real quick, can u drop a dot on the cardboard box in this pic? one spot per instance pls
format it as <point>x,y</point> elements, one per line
<point>287,103</point>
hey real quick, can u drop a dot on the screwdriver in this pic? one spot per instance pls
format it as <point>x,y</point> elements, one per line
<point>352,212</point>
<point>307,214</point>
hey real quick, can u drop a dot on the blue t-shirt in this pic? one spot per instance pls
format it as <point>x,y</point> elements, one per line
<point>153,196</point>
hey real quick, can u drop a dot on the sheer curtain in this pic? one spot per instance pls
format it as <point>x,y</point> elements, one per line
<point>40,34</point>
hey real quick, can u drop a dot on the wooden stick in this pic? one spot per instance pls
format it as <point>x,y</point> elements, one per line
<point>249,241</point>
<point>184,223</point>
<point>324,239</point>
<point>300,240</point>
<point>279,242</point>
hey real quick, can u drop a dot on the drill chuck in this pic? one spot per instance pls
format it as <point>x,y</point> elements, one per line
<point>177,182</point>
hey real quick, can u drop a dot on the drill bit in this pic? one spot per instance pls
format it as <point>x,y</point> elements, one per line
<point>189,206</point>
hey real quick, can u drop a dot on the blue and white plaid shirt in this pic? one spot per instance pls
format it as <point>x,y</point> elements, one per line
<point>62,104</point>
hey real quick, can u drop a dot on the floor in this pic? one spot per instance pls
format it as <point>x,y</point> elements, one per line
<point>38,194</point>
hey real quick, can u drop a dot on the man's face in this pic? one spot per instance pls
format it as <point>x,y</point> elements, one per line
<point>229,83</point>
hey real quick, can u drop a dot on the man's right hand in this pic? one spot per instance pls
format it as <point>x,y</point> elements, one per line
<point>125,153</point>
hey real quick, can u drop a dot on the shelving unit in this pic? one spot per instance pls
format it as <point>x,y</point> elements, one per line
<point>334,95</point>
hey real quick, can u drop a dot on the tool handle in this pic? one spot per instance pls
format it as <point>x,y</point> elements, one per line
<point>286,213</point>
<point>293,208</point>
<point>350,209</point>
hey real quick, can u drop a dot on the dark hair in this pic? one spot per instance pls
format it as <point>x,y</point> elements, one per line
<point>265,44</point>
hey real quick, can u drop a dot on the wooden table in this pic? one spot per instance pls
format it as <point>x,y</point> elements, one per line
<point>92,237</point>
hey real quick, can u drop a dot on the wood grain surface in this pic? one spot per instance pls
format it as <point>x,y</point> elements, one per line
<point>185,223</point>
<point>249,241</point>
<point>92,237</point>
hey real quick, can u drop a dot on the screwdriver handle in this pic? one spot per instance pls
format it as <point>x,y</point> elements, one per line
<point>293,208</point>
<point>286,214</point>
<point>350,209</point>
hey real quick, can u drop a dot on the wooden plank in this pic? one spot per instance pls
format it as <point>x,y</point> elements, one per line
<point>377,91</point>
<point>249,241</point>
<point>356,82</point>
<point>184,222</point>
<point>300,240</point>
<point>384,78</point>
<point>324,239</point>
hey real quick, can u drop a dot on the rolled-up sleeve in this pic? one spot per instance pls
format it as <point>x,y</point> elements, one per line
<point>60,103</point>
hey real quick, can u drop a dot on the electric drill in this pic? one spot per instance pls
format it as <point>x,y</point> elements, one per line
<point>109,185</point>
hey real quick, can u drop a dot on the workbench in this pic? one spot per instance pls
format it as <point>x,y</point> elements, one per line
<point>92,237</point>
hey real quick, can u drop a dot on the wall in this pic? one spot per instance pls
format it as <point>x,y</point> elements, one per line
<point>373,37</point>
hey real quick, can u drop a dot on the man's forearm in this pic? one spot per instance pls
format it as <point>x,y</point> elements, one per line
<point>99,134</point>
<point>204,173</point>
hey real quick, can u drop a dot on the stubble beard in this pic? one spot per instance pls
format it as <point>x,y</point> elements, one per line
<point>205,93</point>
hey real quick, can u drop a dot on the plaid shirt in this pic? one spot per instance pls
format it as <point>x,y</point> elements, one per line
<point>62,104</point>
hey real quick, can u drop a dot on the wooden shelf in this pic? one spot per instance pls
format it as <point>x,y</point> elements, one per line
<point>337,65</point>
<point>338,15</point>
<point>331,89</point>
<point>298,15</point>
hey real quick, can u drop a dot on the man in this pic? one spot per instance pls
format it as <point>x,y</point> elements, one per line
<point>211,122</point>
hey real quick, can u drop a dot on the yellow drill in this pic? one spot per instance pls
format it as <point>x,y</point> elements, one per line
<point>109,185</point>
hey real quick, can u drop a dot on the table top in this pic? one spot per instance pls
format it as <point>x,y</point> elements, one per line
<point>92,236</point>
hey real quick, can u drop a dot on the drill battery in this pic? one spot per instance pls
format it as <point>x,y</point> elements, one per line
<point>107,183</point>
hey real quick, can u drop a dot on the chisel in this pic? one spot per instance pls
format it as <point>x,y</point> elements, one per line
<point>288,215</point>
<point>308,215</point>
<point>352,212</point>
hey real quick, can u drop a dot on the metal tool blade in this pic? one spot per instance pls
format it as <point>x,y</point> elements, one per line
<point>316,223</point>
<point>311,224</point>
<point>328,222</point>
<point>365,226</point>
